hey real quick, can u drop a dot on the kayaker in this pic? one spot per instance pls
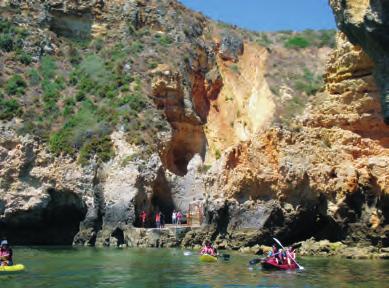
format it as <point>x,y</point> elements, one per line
<point>208,249</point>
<point>281,256</point>
<point>5,254</point>
<point>273,251</point>
<point>290,256</point>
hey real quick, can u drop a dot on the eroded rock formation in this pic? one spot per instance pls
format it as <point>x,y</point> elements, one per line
<point>366,24</point>
<point>325,176</point>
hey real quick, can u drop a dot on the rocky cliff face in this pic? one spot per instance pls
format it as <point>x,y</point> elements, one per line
<point>325,178</point>
<point>125,106</point>
<point>365,24</point>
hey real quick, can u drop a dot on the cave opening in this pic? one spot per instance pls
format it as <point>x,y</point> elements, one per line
<point>119,235</point>
<point>162,199</point>
<point>55,224</point>
<point>77,27</point>
<point>159,199</point>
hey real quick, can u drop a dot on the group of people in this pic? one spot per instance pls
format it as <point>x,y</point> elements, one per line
<point>176,217</point>
<point>5,254</point>
<point>159,219</point>
<point>283,256</point>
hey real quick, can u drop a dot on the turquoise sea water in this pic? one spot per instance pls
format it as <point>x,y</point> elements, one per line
<point>93,267</point>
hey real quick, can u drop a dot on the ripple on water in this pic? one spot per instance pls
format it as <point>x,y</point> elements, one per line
<point>90,267</point>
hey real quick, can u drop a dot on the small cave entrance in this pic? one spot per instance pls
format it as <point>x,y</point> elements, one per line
<point>162,199</point>
<point>158,200</point>
<point>71,26</point>
<point>55,224</point>
<point>119,235</point>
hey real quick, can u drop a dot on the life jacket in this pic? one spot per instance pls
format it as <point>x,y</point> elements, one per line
<point>6,253</point>
<point>208,250</point>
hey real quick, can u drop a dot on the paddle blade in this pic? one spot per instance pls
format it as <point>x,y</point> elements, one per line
<point>278,242</point>
<point>255,261</point>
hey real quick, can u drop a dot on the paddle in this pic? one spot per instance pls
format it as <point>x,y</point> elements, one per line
<point>279,243</point>
<point>225,257</point>
<point>259,260</point>
<point>256,261</point>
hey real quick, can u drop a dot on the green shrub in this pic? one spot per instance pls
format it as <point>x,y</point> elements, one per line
<point>152,65</point>
<point>77,130</point>
<point>74,55</point>
<point>58,143</point>
<point>234,68</point>
<point>9,109</point>
<point>24,58</point>
<point>48,67</point>
<point>203,168</point>
<point>94,68</point>
<point>135,101</point>
<point>136,48</point>
<point>164,39</point>
<point>51,90</point>
<point>263,40</point>
<point>218,154</point>
<point>11,37</point>
<point>34,77</point>
<point>308,83</point>
<point>327,38</point>
<point>297,42</point>
<point>100,146</point>
<point>50,107</point>
<point>6,42</point>
<point>15,85</point>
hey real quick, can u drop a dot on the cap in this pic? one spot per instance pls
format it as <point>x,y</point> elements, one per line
<point>4,242</point>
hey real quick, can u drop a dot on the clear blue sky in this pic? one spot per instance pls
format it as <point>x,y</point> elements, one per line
<point>268,15</point>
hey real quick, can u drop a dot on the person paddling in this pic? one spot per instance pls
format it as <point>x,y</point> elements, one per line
<point>5,254</point>
<point>290,256</point>
<point>208,249</point>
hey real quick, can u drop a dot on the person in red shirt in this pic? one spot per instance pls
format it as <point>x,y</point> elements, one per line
<point>158,220</point>
<point>143,217</point>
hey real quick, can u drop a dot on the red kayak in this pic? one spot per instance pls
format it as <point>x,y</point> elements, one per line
<point>271,263</point>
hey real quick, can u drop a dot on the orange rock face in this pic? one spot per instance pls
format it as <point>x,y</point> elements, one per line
<point>338,152</point>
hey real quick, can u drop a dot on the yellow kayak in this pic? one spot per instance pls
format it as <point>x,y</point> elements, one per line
<point>208,258</point>
<point>13,268</point>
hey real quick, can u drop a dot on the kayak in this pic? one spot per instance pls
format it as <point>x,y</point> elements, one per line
<point>207,258</point>
<point>13,268</point>
<point>271,263</point>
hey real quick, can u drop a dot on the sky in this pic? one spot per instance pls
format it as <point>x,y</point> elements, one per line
<point>268,15</point>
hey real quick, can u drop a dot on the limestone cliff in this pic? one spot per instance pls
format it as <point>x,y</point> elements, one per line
<point>110,108</point>
<point>325,178</point>
<point>365,24</point>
